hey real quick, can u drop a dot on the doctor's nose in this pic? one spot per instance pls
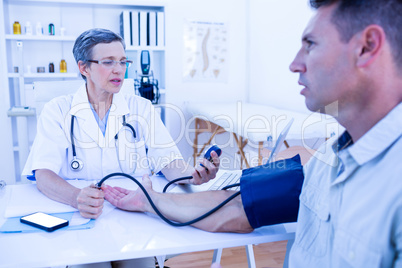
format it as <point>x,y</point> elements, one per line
<point>117,68</point>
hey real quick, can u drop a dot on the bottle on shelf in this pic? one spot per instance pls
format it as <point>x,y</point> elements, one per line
<point>16,28</point>
<point>51,67</point>
<point>28,28</point>
<point>39,29</point>
<point>51,29</point>
<point>63,66</point>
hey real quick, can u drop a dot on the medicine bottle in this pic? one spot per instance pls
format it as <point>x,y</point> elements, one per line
<point>51,67</point>
<point>28,28</point>
<point>17,28</point>
<point>39,29</point>
<point>51,29</point>
<point>63,66</point>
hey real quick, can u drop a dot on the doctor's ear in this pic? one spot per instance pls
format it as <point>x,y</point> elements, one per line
<point>82,66</point>
<point>371,42</point>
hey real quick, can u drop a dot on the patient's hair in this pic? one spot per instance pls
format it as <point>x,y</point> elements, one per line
<point>353,16</point>
<point>84,43</point>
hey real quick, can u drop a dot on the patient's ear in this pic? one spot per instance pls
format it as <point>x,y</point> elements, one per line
<point>371,41</point>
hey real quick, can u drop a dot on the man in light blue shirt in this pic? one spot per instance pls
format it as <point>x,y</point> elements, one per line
<point>350,212</point>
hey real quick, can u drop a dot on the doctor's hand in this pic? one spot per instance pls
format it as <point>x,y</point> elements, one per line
<point>90,202</point>
<point>129,200</point>
<point>206,170</point>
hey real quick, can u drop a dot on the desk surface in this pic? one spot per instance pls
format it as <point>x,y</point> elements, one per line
<point>120,235</point>
<point>258,122</point>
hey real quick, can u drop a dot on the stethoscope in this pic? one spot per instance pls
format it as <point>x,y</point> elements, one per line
<point>207,155</point>
<point>77,164</point>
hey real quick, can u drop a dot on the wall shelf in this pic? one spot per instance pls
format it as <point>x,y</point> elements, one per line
<point>22,37</point>
<point>44,75</point>
<point>21,111</point>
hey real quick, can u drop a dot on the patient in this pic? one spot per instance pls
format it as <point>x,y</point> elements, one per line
<point>350,211</point>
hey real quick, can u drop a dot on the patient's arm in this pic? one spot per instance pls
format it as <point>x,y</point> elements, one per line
<point>184,207</point>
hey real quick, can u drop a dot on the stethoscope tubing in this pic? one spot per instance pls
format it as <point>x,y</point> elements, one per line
<point>72,136</point>
<point>99,184</point>
<point>176,224</point>
<point>76,164</point>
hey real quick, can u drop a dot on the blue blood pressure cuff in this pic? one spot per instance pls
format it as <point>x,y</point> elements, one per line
<point>270,192</point>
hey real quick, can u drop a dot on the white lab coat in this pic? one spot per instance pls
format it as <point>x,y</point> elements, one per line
<point>52,146</point>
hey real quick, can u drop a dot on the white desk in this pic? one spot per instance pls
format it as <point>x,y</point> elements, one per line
<point>120,235</point>
<point>254,124</point>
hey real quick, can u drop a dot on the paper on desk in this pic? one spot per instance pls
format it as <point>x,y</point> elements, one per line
<point>26,199</point>
<point>13,225</point>
<point>77,219</point>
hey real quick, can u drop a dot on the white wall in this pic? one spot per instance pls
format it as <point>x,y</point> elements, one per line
<point>234,14</point>
<point>276,27</point>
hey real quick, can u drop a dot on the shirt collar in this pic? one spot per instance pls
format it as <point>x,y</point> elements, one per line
<point>344,141</point>
<point>381,136</point>
<point>80,106</point>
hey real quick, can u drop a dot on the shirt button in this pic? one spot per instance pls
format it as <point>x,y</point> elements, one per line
<point>351,255</point>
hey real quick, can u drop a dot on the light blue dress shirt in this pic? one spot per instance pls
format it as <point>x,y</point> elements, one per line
<point>351,203</point>
<point>101,122</point>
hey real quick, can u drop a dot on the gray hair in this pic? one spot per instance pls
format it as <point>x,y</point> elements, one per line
<point>352,16</point>
<point>84,43</point>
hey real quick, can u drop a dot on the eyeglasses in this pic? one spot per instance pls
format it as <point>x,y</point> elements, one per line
<point>109,64</point>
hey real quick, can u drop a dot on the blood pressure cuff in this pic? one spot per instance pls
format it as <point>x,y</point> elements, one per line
<point>270,192</point>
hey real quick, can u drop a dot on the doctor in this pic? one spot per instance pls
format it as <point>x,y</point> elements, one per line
<point>98,131</point>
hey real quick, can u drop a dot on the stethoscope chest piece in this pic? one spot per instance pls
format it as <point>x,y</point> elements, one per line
<point>76,164</point>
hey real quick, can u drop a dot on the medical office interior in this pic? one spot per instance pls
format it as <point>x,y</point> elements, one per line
<point>207,55</point>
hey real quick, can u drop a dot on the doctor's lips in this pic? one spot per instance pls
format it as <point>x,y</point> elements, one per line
<point>116,80</point>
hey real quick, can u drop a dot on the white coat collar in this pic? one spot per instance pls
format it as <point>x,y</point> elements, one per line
<point>81,109</point>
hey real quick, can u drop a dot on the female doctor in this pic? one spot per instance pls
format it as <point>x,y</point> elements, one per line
<point>98,131</point>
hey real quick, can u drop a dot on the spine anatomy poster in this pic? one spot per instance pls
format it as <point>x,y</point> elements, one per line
<point>205,52</point>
